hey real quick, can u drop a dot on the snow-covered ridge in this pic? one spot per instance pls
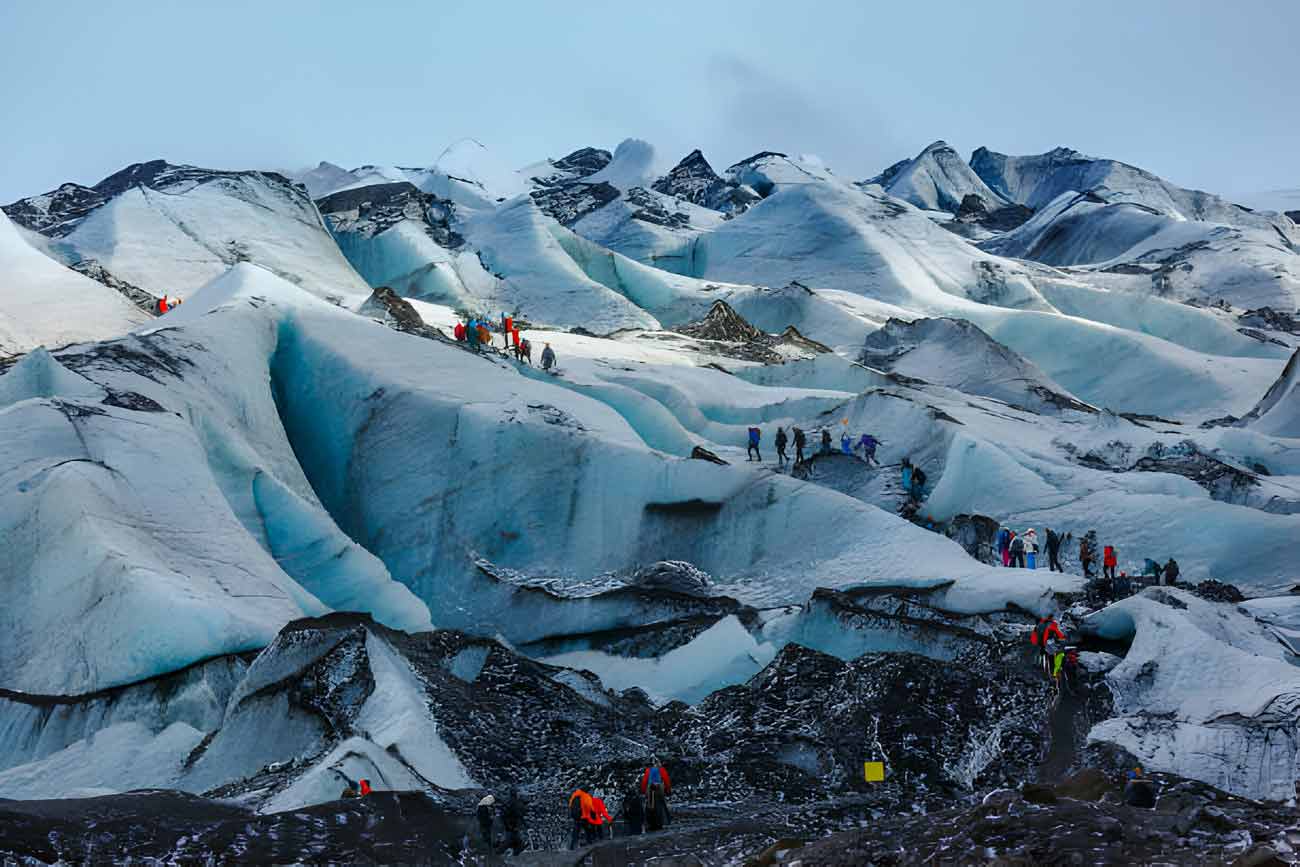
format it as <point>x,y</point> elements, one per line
<point>936,179</point>
<point>1037,180</point>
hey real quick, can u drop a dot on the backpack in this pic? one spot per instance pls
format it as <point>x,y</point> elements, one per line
<point>656,778</point>
<point>753,435</point>
<point>1017,545</point>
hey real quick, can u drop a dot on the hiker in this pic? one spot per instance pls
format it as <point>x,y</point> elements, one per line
<point>1150,569</point>
<point>459,332</point>
<point>906,473</point>
<point>800,440</point>
<point>485,819</point>
<point>1171,572</point>
<point>1088,553</point>
<point>846,443</point>
<point>1109,561</point>
<point>657,787</point>
<point>350,789</point>
<point>514,335</point>
<point>752,452</point>
<point>826,441</point>
<point>1048,638</point>
<point>918,484</point>
<point>1031,548</point>
<point>1053,551</point>
<point>161,306</point>
<point>471,335</point>
<point>633,812</point>
<point>868,444</point>
<point>1139,791</point>
<point>580,811</point>
<point>780,447</point>
<point>1070,667</point>
<point>600,818</point>
<point>1018,552</point>
<point>484,335</point>
<point>548,358</point>
<point>1123,586</point>
<point>507,326</point>
<point>1003,541</point>
<point>513,812</point>
<point>526,350</point>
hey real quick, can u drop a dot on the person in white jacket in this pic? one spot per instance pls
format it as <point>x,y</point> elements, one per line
<point>1031,548</point>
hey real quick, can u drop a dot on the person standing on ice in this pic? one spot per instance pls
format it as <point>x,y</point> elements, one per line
<point>800,440</point>
<point>752,452</point>
<point>1171,572</point>
<point>781,440</point>
<point>868,444</point>
<point>1031,548</point>
<point>906,473</point>
<point>826,441</point>
<point>1054,550</point>
<point>507,326</point>
<point>1109,561</point>
<point>548,358</point>
<point>459,332</point>
<point>846,443</point>
<point>1003,541</point>
<point>1018,552</point>
<point>1088,553</point>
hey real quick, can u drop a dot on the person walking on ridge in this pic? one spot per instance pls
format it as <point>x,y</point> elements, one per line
<point>780,447</point>
<point>752,452</point>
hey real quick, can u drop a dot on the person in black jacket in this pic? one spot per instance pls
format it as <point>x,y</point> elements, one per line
<point>1171,572</point>
<point>485,819</point>
<point>513,812</point>
<point>633,812</point>
<point>1054,550</point>
<point>781,440</point>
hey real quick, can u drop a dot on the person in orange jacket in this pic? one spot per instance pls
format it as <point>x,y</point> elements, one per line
<point>581,809</point>
<point>1109,562</point>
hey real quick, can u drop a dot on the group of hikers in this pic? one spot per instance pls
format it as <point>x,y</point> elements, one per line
<point>476,333</point>
<point>866,444</point>
<point>645,808</point>
<point>1020,550</point>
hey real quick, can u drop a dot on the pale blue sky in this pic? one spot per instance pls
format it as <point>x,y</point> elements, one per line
<point>1204,93</point>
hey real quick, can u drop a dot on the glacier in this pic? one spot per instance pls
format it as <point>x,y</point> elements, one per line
<point>288,541</point>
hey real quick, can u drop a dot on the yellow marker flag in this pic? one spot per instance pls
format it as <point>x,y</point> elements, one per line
<point>874,772</point>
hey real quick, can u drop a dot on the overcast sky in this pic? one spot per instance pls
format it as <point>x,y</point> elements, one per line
<point>1203,93</point>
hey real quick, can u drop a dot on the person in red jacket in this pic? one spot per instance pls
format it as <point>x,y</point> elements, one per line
<point>1109,561</point>
<point>656,786</point>
<point>459,331</point>
<point>365,788</point>
<point>1048,638</point>
<point>599,818</point>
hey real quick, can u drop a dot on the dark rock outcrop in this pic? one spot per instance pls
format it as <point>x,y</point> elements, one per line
<point>368,211</point>
<point>570,202</point>
<point>694,180</point>
<point>397,313</point>
<point>731,335</point>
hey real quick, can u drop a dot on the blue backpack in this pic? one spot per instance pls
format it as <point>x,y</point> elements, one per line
<point>656,778</point>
